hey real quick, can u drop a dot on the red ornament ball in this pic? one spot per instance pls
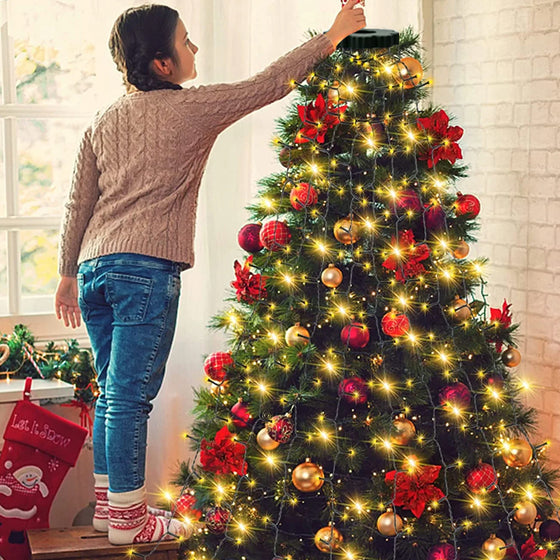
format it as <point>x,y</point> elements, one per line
<point>248,238</point>
<point>395,324</point>
<point>405,201</point>
<point>280,428</point>
<point>549,530</point>
<point>217,519</point>
<point>355,335</point>
<point>457,394</point>
<point>241,415</point>
<point>275,235</point>
<point>303,196</point>
<point>467,205</point>
<point>353,390</point>
<point>216,364</point>
<point>482,477</point>
<point>442,551</point>
<point>434,217</point>
<point>184,506</point>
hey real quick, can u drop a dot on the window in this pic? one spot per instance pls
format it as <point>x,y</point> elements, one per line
<point>53,57</point>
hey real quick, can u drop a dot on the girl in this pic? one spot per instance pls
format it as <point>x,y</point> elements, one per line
<point>128,232</point>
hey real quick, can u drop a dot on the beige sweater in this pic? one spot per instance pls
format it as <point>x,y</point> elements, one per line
<point>140,163</point>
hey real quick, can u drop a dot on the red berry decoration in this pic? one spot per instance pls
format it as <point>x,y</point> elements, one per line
<point>217,519</point>
<point>549,530</point>
<point>467,205</point>
<point>303,196</point>
<point>355,335</point>
<point>215,366</point>
<point>482,477</point>
<point>405,201</point>
<point>241,415</point>
<point>442,551</point>
<point>280,428</point>
<point>434,218</point>
<point>456,394</point>
<point>353,390</point>
<point>275,235</point>
<point>395,324</point>
<point>248,238</point>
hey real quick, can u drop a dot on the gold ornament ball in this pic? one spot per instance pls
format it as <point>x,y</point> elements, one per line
<point>389,523</point>
<point>405,430</point>
<point>408,71</point>
<point>331,276</point>
<point>462,250</point>
<point>332,93</point>
<point>347,230</point>
<point>461,309</point>
<point>494,548</point>
<point>511,357</point>
<point>308,477</point>
<point>525,513</point>
<point>328,539</point>
<point>265,441</point>
<point>297,335</point>
<point>518,454</point>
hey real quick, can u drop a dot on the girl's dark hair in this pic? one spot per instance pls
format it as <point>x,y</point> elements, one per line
<point>139,36</point>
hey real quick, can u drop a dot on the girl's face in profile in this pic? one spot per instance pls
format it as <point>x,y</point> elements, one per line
<point>185,69</point>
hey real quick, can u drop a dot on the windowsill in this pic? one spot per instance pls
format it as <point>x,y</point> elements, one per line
<point>11,390</point>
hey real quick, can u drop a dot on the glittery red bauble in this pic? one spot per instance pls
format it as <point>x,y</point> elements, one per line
<point>467,205</point>
<point>248,238</point>
<point>443,551</point>
<point>406,200</point>
<point>241,416</point>
<point>549,530</point>
<point>280,428</point>
<point>215,366</point>
<point>353,390</point>
<point>303,196</point>
<point>355,335</point>
<point>434,218</point>
<point>395,324</point>
<point>185,506</point>
<point>482,477</point>
<point>217,519</point>
<point>456,394</point>
<point>275,235</point>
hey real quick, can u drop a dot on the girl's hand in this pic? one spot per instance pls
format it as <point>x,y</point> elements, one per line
<point>66,301</point>
<point>348,21</point>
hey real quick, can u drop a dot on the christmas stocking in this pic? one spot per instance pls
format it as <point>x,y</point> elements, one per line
<point>39,448</point>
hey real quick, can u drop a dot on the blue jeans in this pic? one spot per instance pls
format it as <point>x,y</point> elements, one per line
<point>129,305</point>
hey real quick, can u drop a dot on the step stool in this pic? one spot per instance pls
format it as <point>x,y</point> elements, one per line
<point>86,544</point>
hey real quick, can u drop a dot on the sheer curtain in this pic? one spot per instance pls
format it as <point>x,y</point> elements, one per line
<point>236,39</point>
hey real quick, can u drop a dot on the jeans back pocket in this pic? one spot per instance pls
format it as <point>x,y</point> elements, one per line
<point>129,296</point>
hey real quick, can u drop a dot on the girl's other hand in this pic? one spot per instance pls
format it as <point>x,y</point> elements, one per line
<point>348,21</point>
<point>66,301</point>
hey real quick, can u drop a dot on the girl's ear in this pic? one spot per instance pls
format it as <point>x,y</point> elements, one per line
<point>162,67</point>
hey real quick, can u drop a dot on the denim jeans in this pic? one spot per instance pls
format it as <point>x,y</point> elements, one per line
<point>129,305</point>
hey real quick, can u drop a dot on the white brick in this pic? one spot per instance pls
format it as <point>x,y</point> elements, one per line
<point>537,258</point>
<point>538,162</point>
<point>553,261</point>
<point>543,281</point>
<point>541,67</point>
<point>540,90</point>
<point>519,258</point>
<point>506,22</point>
<point>542,18</point>
<point>540,235</point>
<point>522,69</point>
<point>523,19</point>
<point>540,112</point>
<point>519,208</point>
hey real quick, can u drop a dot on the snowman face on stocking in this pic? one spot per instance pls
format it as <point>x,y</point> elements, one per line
<point>30,476</point>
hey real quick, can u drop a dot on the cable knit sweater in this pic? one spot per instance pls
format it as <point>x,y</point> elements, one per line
<point>140,163</point>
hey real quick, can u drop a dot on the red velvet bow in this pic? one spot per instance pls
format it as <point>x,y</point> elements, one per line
<point>442,139</point>
<point>502,316</point>
<point>407,263</point>
<point>317,119</point>
<point>223,455</point>
<point>248,286</point>
<point>414,490</point>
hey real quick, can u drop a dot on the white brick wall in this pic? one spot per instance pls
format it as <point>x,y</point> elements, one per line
<point>495,68</point>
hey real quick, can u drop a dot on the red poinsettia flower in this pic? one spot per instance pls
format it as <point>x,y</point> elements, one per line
<point>317,118</point>
<point>529,550</point>
<point>223,455</point>
<point>442,138</point>
<point>413,491</point>
<point>248,286</point>
<point>502,316</point>
<point>407,257</point>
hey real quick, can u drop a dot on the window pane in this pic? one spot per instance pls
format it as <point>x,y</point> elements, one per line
<point>46,150</point>
<point>38,269</point>
<point>3,274</point>
<point>54,51</point>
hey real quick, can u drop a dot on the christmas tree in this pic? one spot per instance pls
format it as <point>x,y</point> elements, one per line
<point>366,407</point>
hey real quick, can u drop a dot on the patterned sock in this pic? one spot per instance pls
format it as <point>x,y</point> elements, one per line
<point>130,521</point>
<point>101,513</point>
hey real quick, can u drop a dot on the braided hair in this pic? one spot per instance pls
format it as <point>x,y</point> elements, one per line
<point>139,36</point>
